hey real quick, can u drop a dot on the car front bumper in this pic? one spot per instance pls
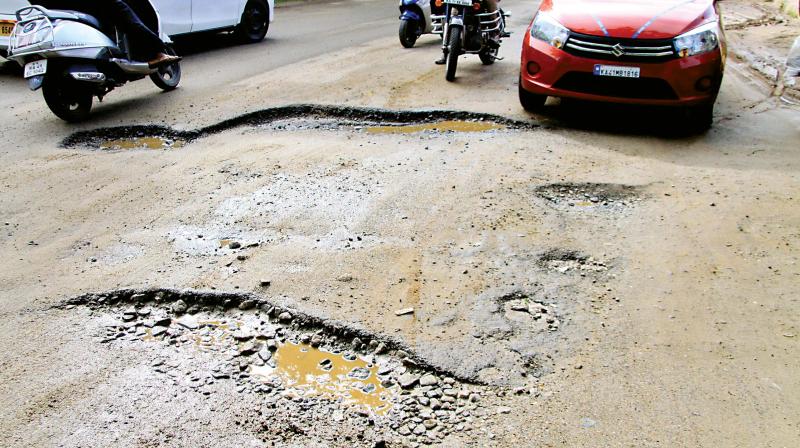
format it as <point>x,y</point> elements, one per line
<point>669,83</point>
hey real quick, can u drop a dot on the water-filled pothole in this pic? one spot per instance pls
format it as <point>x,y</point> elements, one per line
<point>311,371</point>
<point>296,364</point>
<point>460,121</point>
<point>142,143</point>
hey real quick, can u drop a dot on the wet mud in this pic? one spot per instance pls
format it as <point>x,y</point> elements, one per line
<point>142,143</point>
<point>96,138</point>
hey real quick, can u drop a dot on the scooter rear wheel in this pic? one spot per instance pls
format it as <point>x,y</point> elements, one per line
<point>66,100</point>
<point>453,52</point>
<point>167,77</point>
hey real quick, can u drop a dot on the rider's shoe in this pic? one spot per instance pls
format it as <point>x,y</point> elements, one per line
<point>163,59</point>
<point>441,61</point>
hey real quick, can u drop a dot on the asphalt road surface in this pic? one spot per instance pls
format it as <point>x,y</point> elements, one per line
<point>588,276</point>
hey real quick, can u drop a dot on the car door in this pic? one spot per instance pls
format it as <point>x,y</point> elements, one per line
<point>176,15</point>
<point>213,14</point>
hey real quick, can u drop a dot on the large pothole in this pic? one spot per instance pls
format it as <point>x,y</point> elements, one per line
<point>303,364</point>
<point>299,117</point>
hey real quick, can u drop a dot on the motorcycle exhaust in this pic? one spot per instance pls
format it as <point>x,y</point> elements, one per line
<point>133,68</point>
<point>89,76</point>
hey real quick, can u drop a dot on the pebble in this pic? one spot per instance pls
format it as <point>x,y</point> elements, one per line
<point>234,245</point>
<point>179,307</point>
<point>188,321</point>
<point>247,304</point>
<point>428,380</point>
<point>316,340</point>
<point>404,311</point>
<point>407,380</point>
<point>285,316</point>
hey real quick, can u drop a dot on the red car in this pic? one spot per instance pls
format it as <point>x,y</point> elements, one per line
<point>654,52</point>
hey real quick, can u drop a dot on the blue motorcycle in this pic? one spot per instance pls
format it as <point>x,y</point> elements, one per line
<point>416,19</point>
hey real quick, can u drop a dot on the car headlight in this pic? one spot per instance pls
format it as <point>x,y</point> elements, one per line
<point>547,29</point>
<point>698,41</point>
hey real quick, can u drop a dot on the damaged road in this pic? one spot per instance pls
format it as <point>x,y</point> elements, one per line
<point>348,259</point>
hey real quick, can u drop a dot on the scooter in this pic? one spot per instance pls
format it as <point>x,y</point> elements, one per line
<point>73,57</point>
<point>418,17</point>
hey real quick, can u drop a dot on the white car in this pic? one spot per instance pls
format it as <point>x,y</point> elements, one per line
<point>249,19</point>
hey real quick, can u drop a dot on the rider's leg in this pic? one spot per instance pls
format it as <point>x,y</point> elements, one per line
<point>147,42</point>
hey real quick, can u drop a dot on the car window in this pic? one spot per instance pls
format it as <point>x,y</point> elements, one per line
<point>11,6</point>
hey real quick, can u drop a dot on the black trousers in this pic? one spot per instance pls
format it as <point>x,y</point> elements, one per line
<point>144,42</point>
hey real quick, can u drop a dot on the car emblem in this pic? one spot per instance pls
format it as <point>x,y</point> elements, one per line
<point>29,27</point>
<point>618,50</point>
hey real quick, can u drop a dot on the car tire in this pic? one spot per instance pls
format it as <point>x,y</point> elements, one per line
<point>66,100</point>
<point>530,101</point>
<point>254,23</point>
<point>698,119</point>
<point>408,33</point>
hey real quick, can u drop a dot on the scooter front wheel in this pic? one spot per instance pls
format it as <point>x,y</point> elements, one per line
<point>408,33</point>
<point>67,101</point>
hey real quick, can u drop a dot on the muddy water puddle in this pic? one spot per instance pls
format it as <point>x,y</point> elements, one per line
<point>142,143</point>
<point>441,126</point>
<point>313,372</point>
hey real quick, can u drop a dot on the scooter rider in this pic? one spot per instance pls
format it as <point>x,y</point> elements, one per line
<point>146,42</point>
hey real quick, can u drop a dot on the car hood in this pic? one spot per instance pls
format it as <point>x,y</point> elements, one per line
<point>644,19</point>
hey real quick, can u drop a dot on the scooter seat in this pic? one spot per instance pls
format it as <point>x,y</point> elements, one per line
<point>88,19</point>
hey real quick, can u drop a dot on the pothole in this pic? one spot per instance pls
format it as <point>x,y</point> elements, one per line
<point>589,196</point>
<point>441,126</point>
<point>142,143</point>
<point>569,261</point>
<point>306,116</point>
<point>296,361</point>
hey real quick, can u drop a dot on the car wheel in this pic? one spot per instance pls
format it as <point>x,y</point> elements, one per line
<point>66,100</point>
<point>255,22</point>
<point>530,101</point>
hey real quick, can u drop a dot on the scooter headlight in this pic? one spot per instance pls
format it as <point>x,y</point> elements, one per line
<point>547,29</point>
<point>698,41</point>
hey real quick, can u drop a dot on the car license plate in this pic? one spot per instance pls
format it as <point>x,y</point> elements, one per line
<point>459,2</point>
<point>617,71</point>
<point>6,26</point>
<point>35,68</point>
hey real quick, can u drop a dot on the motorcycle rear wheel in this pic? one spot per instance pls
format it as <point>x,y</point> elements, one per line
<point>66,100</point>
<point>453,52</point>
<point>408,33</point>
<point>488,56</point>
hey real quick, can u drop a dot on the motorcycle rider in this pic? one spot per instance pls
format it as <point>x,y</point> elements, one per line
<point>147,43</point>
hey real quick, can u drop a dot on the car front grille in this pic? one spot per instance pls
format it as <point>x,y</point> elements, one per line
<point>634,88</point>
<point>614,49</point>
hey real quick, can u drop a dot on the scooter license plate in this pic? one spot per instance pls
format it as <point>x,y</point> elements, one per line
<point>459,2</point>
<point>35,68</point>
